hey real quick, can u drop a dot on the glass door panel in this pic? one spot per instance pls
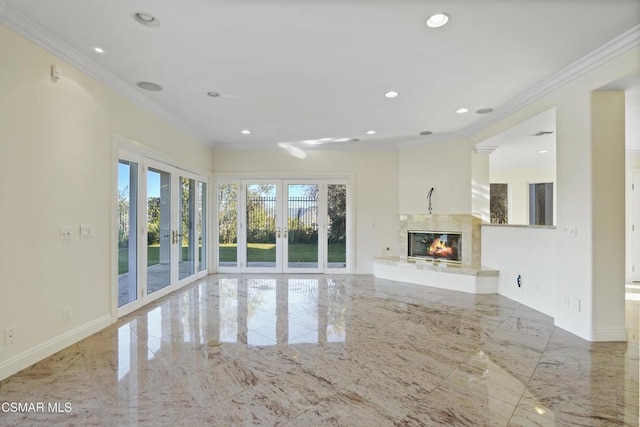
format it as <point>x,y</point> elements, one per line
<point>227,225</point>
<point>202,226</point>
<point>127,232</point>
<point>159,231</point>
<point>262,229</point>
<point>185,237</point>
<point>301,230</point>
<point>336,226</point>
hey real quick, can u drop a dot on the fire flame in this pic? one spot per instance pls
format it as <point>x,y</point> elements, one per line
<point>440,248</point>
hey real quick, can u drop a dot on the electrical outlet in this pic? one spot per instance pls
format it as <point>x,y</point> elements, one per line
<point>66,313</point>
<point>9,336</point>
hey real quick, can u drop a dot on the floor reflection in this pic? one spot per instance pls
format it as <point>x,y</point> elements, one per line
<point>335,350</point>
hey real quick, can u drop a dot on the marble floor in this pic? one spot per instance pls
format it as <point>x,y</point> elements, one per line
<point>318,350</point>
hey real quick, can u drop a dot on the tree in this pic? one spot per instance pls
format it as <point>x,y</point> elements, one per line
<point>228,213</point>
<point>153,220</point>
<point>337,212</point>
<point>123,217</point>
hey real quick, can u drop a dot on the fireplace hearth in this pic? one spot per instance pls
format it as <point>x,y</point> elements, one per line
<point>434,245</point>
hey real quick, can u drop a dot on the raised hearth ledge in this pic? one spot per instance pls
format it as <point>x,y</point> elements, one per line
<point>437,275</point>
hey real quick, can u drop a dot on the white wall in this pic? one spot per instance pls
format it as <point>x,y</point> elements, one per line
<point>55,170</point>
<point>518,181</point>
<point>580,275</point>
<point>445,166</point>
<point>480,179</point>
<point>375,198</point>
<point>528,252</point>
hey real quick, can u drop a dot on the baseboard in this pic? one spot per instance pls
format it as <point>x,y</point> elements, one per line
<point>609,334</point>
<point>27,358</point>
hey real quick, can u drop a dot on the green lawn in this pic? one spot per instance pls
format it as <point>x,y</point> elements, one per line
<point>258,252</point>
<point>153,257</point>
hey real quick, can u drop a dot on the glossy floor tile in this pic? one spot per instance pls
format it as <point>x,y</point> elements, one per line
<point>234,350</point>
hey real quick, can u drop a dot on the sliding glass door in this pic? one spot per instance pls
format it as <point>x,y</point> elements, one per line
<point>171,242</point>
<point>282,226</point>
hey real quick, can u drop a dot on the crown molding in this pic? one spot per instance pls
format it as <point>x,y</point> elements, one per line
<point>485,149</point>
<point>18,22</point>
<point>22,25</point>
<point>609,51</point>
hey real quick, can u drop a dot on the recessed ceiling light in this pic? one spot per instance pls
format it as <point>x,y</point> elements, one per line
<point>245,132</point>
<point>145,18</point>
<point>153,87</point>
<point>543,151</point>
<point>370,132</point>
<point>98,49</point>
<point>437,20</point>
<point>213,94</point>
<point>484,111</point>
<point>462,110</point>
<point>426,132</point>
<point>391,94</point>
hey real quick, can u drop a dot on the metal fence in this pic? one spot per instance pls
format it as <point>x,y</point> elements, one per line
<point>302,221</point>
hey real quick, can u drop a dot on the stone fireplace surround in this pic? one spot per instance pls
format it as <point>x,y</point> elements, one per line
<point>467,225</point>
<point>469,276</point>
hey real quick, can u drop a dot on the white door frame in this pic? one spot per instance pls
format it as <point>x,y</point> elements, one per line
<point>346,179</point>
<point>321,218</point>
<point>142,297</point>
<point>242,222</point>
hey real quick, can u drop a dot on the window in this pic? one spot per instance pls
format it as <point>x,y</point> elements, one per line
<point>541,203</point>
<point>499,203</point>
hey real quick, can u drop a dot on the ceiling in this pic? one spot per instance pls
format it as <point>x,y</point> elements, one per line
<point>296,70</point>
<point>523,147</point>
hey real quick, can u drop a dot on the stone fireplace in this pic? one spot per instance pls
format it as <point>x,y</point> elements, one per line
<point>460,231</point>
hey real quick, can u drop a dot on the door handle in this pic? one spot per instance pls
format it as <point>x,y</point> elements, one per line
<point>278,232</point>
<point>285,233</point>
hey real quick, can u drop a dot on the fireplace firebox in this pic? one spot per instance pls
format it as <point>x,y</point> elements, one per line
<point>434,245</point>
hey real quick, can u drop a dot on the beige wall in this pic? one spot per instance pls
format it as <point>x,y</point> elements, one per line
<point>445,166</point>
<point>56,170</point>
<point>375,198</point>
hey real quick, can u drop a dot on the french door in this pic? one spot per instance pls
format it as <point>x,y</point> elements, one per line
<point>290,226</point>
<point>162,245</point>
